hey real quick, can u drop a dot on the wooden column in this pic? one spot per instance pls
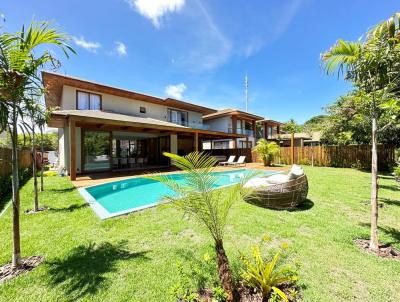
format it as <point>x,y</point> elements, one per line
<point>254,129</point>
<point>234,130</point>
<point>266,130</point>
<point>292,147</point>
<point>196,141</point>
<point>72,149</point>
<point>278,129</point>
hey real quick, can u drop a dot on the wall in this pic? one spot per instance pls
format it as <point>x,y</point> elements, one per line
<point>122,105</point>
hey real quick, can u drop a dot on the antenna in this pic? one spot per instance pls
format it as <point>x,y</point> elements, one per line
<point>246,86</point>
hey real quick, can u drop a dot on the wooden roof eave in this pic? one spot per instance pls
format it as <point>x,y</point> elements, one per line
<point>60,121</point>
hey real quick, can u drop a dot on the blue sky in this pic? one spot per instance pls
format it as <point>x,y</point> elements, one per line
<point>200,50</point>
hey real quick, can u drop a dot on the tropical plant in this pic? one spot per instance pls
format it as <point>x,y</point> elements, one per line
<point>267,150</point>
<point>372,65</point>
<point>265,275</point>
<point>21,56</point>
<point>198,197</point>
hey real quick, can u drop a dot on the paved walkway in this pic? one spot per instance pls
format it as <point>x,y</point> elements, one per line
<point>104,177</point>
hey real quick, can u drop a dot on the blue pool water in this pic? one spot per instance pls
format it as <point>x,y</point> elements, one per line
<point>120,197</point>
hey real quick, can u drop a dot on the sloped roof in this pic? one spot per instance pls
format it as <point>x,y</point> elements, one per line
<point>115,116</point>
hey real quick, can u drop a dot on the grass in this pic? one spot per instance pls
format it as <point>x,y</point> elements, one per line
<point>133,258</point>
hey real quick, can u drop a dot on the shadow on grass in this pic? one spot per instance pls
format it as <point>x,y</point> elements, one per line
<point>83,271</point>
<point>304,206</point>
<point>65,190</point>
<point>391,232</point>
<point>69,209</point>
<point>390,202</point>
<point>393,187</point>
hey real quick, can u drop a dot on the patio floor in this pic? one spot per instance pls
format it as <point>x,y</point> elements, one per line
<point>104,177</point>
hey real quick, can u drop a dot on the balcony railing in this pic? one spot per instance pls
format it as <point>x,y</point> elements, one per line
<point>241,131</point>
<point>191,125</point>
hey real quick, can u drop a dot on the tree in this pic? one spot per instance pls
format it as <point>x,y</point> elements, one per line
<point>41,120</point>
<point>373,66</point>
<point>292,126</point>
<point>349,122</point>
<point>267,150</point>
<point>21,56</point>
<point>199,198</point>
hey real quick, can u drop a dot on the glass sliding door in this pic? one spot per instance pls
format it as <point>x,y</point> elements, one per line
<point>96,150</point>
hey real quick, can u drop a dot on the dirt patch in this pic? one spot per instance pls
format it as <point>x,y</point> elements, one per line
<point>385,250</point>
<point>8,272</point>
<point>246,294</point>
<point>31,211</point>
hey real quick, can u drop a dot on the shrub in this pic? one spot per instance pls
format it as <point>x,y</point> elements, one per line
<point>396,173</point>
<point>266,275</point>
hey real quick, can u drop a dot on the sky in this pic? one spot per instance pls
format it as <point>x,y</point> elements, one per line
<point>200,50</point>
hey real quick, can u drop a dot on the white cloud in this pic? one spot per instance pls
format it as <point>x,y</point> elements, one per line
<point>154,10</point>
<point>90,46</point>
<point>121,49</point>
<point>175,91</point>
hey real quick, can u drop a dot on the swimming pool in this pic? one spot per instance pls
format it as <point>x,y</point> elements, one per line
<point>129,195</point>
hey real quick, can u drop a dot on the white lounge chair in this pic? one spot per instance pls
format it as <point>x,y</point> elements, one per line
<point>230,161</point>
<point>241,161</point>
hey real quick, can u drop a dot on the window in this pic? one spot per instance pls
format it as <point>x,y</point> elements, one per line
<point>178,117</point>
<point>142,109</point>
<point>88,101</point>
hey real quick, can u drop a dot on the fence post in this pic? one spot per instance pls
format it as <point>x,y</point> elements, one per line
<point>292,147</point>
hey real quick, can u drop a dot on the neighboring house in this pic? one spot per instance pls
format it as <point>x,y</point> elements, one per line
<point>300,139</point>
<point>232,121</point>
<point>108,128</point>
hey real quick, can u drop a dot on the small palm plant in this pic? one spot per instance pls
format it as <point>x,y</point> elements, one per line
<point>267,150</point>
<point>266,275</point>
<point>198,197</point>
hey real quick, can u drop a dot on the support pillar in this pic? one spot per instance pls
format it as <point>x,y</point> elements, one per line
<point>174,143</point>
<point>196,141</point>
<point>72,149</point>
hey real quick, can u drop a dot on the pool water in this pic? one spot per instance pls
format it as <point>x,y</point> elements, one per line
<point>120,197</point>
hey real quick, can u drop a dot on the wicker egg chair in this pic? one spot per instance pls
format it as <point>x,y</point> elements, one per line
<point>283,196</point>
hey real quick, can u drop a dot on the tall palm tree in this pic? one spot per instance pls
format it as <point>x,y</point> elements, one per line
<point>22,54</point>
<point>198,197</point>
<point>369,65</point>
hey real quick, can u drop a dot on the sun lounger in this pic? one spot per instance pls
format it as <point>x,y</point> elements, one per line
<point>241,161</point>
<point>230,161</point>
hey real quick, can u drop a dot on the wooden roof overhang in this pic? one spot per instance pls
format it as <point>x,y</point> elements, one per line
<point>271,122</point>
<point>61,120</point>
<point>237,113</point>
<point>54,83</point>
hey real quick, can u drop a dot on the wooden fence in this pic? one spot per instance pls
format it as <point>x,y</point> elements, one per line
<point>24,159</point>
<point>357,156</point>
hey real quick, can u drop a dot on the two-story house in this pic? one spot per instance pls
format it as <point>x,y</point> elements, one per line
<point>108,128</point>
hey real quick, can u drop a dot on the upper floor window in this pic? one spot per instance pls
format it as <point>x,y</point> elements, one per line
<point>142,109</point>
<point>178,117</point>
<point>88,101</point>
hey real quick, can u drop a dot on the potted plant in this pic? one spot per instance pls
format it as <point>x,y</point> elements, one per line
<point>267,150</point>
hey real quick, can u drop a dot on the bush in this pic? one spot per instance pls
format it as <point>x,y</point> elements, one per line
<point>267,275</point>
<point>6,183</point>
<point>396,173</point>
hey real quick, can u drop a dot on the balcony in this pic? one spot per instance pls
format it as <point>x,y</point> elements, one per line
<point>191,125</point>
<point>246,132</point>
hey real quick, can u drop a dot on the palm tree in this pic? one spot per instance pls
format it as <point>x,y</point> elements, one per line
<point>41,121</point>
<point>267,150</point>
<point>22,54</point>
<point>370,65</point>
<point>199,198</point>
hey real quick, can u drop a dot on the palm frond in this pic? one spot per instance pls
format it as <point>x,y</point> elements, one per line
<point>341,56</point>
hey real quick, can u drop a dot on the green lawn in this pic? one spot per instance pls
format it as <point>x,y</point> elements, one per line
<point>133,258</point>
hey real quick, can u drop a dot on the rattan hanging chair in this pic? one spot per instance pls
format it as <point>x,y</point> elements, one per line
<point>283,196</point>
